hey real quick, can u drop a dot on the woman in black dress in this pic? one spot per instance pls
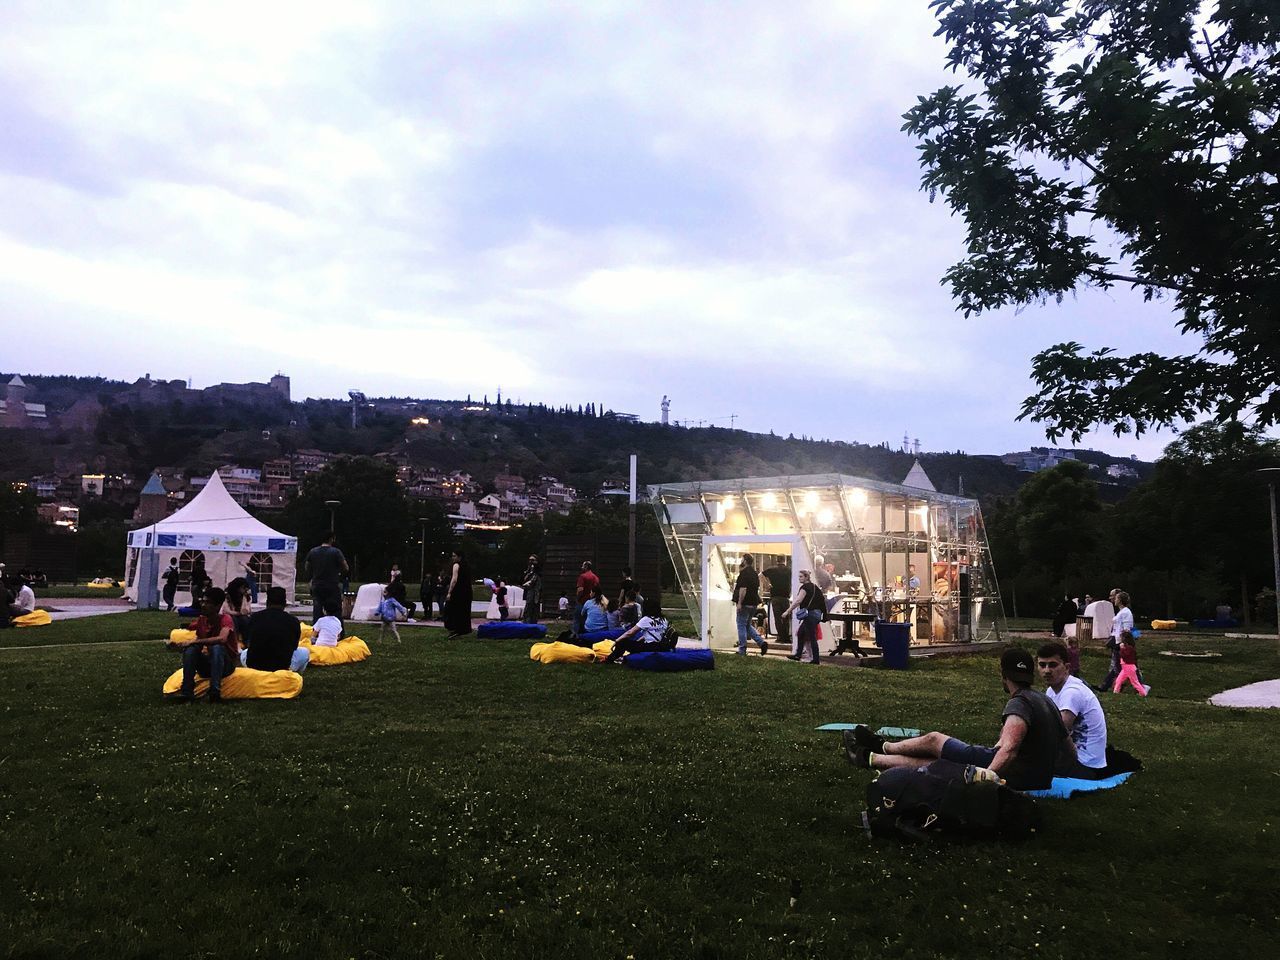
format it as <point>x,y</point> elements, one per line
<point>457,601</point>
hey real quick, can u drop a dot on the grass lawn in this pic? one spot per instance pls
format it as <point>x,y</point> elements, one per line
<point>454,799</point>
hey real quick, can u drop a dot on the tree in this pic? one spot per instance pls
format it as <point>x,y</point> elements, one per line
<point>1159,116</point>
<point>374,519</point>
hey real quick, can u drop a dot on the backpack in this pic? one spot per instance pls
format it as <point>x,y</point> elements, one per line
<point>817,605</point>
<point>925,803</point>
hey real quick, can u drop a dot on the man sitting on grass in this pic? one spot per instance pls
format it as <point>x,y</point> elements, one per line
<point>1031,736</point>
<point>214,653</point>
<point>1081,714</point>
<point>273,636</point>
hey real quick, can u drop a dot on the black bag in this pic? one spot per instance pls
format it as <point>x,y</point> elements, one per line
<point>670,638</point>
<point>924,803</point>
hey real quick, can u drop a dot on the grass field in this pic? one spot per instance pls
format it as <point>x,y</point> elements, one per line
<point>453,799</point>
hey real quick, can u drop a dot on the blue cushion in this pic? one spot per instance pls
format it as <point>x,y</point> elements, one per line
<point>1066,787</point>
<point>510,630</point>
<point>670,661</point>
<point>594,636</point>
<point>188,611</point>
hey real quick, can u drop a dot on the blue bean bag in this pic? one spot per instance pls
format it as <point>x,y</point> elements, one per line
<point>510,630</point>
<point>1064,788</point>
<point>670,661</point>
<point>188,611</point>
<point>596,635</point>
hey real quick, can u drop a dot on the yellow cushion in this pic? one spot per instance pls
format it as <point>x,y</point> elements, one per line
<point>37,618</point>
<point>178,635</point>
<point>102,586</point>
<point>559,652</point>
<point>602,649</point>
<point>1163,624</point>
<point>308,631</point>
<point>246,684</point>
<point>348,650</point>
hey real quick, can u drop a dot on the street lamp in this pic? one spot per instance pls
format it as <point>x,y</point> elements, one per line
<point>1271,475</point>
<point>333,506</point>
<point>422,556</point>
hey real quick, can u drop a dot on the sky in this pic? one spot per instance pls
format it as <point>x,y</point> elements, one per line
<point>604,202</point>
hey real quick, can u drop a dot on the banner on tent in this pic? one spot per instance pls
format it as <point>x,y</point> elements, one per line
<point>213,542</point>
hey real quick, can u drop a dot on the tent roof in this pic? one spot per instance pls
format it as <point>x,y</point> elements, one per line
<point>154,486</point>
<point>212,511</point>
<point>916,477</point>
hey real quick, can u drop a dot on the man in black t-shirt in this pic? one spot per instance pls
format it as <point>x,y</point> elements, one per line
<point>1031,737</point>
<point>746,599</point>
<point>326,566</point>
<point>272,635</point>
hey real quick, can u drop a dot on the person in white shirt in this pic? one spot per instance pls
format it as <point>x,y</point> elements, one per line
<point>1123,621</point>
<point>649,633</point>
<point>328,629</point>
<point>1081,712</point>
<point>24,601</point>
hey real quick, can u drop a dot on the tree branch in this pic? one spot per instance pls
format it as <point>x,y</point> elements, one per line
<point>1138,281</point>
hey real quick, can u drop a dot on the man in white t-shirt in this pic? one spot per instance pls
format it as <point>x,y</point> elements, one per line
<point>1081,714</point>
<point>24,601</point>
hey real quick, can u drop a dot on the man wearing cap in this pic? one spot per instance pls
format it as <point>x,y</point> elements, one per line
<point>1031,737</point>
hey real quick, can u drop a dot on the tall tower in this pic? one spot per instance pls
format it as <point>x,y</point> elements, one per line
<point>666,409</point>
<point>280,384</point>
<point>15,408</point>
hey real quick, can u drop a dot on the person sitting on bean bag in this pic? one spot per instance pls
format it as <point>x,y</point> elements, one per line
<point>649,634</point>
<point>595,613</point>
<point>215,651</point>
<point>273,636</point>
<point>328,629</point>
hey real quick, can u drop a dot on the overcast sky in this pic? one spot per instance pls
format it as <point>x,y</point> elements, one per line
<point>574,202</point>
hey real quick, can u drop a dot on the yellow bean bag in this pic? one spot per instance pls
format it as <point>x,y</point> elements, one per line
<point>348,650</point>
<point>37,618</point>
<point>1164,624</point>
<point>179,635</point>
<point>102,586</point>
<point>308,631</point>
<point>246,684</point>
<point>560,652</point>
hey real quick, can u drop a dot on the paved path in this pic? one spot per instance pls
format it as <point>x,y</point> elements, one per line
<point>1264,694</point>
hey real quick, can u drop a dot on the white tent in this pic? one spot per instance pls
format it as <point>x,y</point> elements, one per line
<point>219,531</point>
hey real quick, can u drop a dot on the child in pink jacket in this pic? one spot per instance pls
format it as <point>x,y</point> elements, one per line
<point>1128,665</point>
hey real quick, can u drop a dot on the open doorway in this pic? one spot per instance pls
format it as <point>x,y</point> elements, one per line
<point>721,562</point>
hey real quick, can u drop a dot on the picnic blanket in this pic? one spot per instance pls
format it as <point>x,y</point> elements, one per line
<point>348,650</point>
<point>670,661</point>
<point>245,684</point>
<point>36,618</point>
<point>510,630</point>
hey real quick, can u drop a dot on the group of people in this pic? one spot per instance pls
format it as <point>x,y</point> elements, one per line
<point>1121,642</point>
<point>17,598</point>
<point>809,606</point>
<point>1061,732</point>
<point>594,609</point>
<point>229,635</point>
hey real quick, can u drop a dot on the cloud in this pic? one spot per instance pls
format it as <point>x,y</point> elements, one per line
<point>605,202</point>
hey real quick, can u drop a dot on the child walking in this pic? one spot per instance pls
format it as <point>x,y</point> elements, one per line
<point>388,610</point>
<point>1128,665</point>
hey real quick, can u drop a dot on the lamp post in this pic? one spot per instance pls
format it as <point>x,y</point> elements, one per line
<point>422,554</point>
<point>333,506</point>
<point>1271,475</point>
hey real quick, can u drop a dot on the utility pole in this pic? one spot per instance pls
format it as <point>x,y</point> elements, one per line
<point>733,420</point>
<point>631,519</point>
<point>1271,474</point>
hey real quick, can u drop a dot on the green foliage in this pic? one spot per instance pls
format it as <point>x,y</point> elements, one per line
<point>471,803</point>
<point>374,521</point>
<point>17,509</point>
<point>1163,131</point>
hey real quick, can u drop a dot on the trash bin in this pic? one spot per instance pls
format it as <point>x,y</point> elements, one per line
<point>894,639</point>
<point>1084,630</point>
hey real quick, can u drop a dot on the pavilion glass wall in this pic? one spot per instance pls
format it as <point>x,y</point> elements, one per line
<point>870,532</point>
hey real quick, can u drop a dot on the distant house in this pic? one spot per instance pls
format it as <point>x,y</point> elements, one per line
<point>1038,458</point>
<point>16,413</point>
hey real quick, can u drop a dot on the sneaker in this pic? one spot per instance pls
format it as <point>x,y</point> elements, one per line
<point>864,736</point>
<point>794,656</point>
<point>855,752</point>
<point>215,696</point>
<point>974,774</point>
<point>764,648</point>
<point>180,698</point>
<point>1148,689</point>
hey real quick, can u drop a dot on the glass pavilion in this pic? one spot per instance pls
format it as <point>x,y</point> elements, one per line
<point>890,551</point>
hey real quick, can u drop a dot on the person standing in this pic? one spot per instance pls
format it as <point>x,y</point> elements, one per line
<point>588,584</point>
<point>746,600</point>
<point>388,611</point>
<point>399,592</point>
<point>531,584</point>
<point>457,600</point>
<point>427,594</point>
<point>273,635</point>
<point>1129,665</point>
<point>251,579</point>
<point>199,581</point>
<point>500,599</point>
<point>779,577</point>
<point>326,566</point>
<point>810,603</point>
<point>170,578</point>
<point>627,584</point>
<point>1122,623</point>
